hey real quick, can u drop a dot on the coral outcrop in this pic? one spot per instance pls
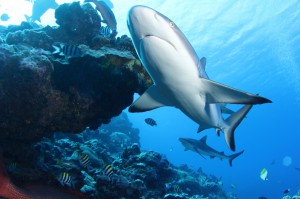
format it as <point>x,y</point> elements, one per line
<point>42,93</point>
<point>135,173</point>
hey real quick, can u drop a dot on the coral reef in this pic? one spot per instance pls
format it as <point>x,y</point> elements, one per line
<point>135,173</point>
<point>42,93</point>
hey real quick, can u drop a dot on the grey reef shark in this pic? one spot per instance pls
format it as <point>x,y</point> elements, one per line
<point>200,147</point>
<point>179,76</point>
<point>39,8</point>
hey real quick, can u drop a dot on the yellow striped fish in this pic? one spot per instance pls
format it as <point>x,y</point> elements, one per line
<point>84,159</point>
<point>108,170</point>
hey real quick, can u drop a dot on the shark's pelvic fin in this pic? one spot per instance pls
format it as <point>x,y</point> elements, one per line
<point>232,157</point>
<point>219,93</point>
<point>151,99</point>
<point>218,131</point>
<point>233,121</point>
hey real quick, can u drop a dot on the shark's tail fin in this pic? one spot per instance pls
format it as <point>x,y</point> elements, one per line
<point>28,19</point>
<point>232,157</point>
<point>233,121</point>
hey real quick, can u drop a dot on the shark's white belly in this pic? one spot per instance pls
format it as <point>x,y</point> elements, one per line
<point>175,72</point>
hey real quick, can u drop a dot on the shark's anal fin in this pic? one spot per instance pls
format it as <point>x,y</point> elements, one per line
<point>149,100</point>
<point>219,93</point>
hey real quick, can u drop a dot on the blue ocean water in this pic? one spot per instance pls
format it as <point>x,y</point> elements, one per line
<point>249,45</point>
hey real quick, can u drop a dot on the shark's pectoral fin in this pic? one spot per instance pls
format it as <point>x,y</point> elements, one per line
<point>218,93</point>
<point>196,150</point>
<point>202,128</point>
<point>149,100</point>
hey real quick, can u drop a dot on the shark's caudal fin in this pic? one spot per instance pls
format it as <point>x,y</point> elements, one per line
<point>233,121</point>
<point>232,157</point>
<point>28,19</point>
<point>218,93</point>
<point>150,100</point>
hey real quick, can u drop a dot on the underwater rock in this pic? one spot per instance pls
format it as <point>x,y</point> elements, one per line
<point>34,38</point>
<point>78,20</point>
<point>103,173</point>
<point>174,196</point>
<point>40,94</point>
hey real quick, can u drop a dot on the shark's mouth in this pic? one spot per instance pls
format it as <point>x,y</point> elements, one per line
<point>159,38</point>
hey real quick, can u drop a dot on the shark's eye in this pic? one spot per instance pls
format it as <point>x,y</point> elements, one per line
<point>172,25</point>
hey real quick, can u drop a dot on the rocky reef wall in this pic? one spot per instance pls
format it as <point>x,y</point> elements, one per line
<point>42,92</point>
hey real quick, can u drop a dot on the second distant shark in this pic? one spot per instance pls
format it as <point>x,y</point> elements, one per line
<point>39,8</point>
<point>179,75</point>
<point>200,147</point>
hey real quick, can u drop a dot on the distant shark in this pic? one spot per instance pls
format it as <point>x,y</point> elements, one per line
<point>179,75</point>
<point>39,8</point>
<point>200,147</point>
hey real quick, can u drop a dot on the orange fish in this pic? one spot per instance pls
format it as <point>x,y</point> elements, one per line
<point>33,191</point>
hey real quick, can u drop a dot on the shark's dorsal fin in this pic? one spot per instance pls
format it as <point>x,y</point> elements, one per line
<point>203,139</point>
<point>151,99</point>
<point>203,62</point>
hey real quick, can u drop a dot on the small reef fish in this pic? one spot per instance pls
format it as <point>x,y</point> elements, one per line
<point>286,191</point>
<point>84,159</point>
<point>200,147</point>
<point>34,191</point>
<point>107,15</point>
<point>105,31</point>
<point>65,179</point>
<point>262,197</point>
<point>67,50</point>
<point>39,8</point>
<point>298,169</point>
<point>108,170</point>
<point>4,17</point>
<point>264,174</point>
<point>150,121</point>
